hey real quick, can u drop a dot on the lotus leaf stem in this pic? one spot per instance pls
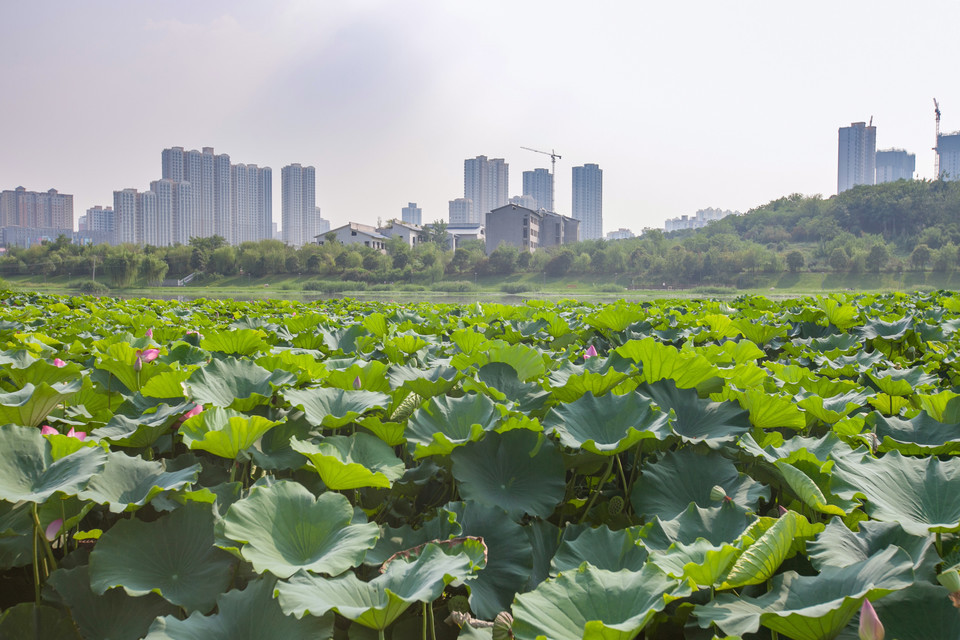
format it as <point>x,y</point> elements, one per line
<point>623,476</point>
<point>433,626</point>
<point>42,535</point>
<point>596,491</point>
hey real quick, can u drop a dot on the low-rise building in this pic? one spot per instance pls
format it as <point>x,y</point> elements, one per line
<point>460,233</point>
<point>529,230</point>
<point>356,233</point>
<point>411,233</point>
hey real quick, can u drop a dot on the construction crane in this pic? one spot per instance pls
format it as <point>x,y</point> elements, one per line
<point>936,148</point>
<point>553,158</point>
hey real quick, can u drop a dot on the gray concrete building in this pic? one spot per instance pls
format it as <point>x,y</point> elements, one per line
<point>588,201</point>
<point>949,145</point>
<point>527,229</point>
<point>895,164</point>
<point>412,214</point>
<point>856,163</point>
<point>538,184</point>
<point>461,211</point>
<point>486,184</point>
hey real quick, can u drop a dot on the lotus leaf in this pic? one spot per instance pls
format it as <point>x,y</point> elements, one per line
<point>435,381</point>
<point>29,472</point>
<point>239,342</point>
<point>607,425</point>
<point>811,607</point>
<point>332,408</point>
<point>251,614</point>
<point>594,604</point>
<point>837,546</point>
<point>920,435</point>
<point>659,361</point>
<point>283,529</point>
<point>224,432</point>
<point>501,382</point>
<point>378,603</point>
<point>351,462</point>
<point>38,621</point>
<point>235,384</point>
<point>669,485</point>
<point>768,543</point>
<point>30,405</point>
<point>172,556</point>
<point>142,430</point>
<point>601,547</point>
<point>717,525</point>
<point>519,471</point>
<point>697,420</point>
<point>920,612</point>
<point>445,423</point>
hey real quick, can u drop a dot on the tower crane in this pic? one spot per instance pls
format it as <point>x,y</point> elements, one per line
<point>553,158</point>
<point>936,148</point>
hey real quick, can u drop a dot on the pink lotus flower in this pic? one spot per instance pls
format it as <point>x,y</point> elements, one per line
<point>47,430</point>
<point>57,362</point>
<point>591,352</point>
<point>79,435</point>
<point>149,333</point>
<point>53,529</point>
<point>870,627</point>
<point>146,355</point>
<point>193,412</point>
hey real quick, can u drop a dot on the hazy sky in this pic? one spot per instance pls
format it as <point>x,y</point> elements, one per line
<point>684,105</point>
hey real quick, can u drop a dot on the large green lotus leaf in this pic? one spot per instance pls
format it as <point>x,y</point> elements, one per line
<point>571,381</point>
<point>283,529</point>
<point>172,556</point>
<point>115,614</point>
<point>29,472</point>
<point>920,612</point>
<point>399,348</point>
<point>501,382</point>
<point>223,432</point>
<point>396,539</point>
<point>376,604</point>
<point>910,491</point>
<point>609,424</point>
<point>520,471</point>
<point>42,371</point>
<point>796,449</point>
<point>701,562</point>
<point>239,342</point>
<point>127,483</point>
<point>837,546</point>
<point>668,486</point>
<point>601,547</point>
<point>850,366</point>
<point>351,462</point>
<point>768,543</point>
<point>251,614</point>
<point>660,361</point>
<point>141,430</point>
<point>527,362</point>
<point>31,405</point>
<point>918,436</point>
<point>16,534</point>
<point>842,316</point>
<point>235,384</point>
<point>372,375</point>
<point>877,328</point>
<point>811,607</point>
<point>831,410</point>
<point>767,411</point>
<point>544,539</point>
<point>697,420</point>
<point>389,431</point>
<point>717,525</point>
<point>117,362</point>
<point>509,557</point>
<point>167,384</point>
<point>594,604</point>
<point>445,423</point>
<point>328,407</point>
<point>615,318</point>
<point>29,621</point>
<point>435,381</point>
<point>902,382</point>
<point>304,365</point>
<point>273,450</point>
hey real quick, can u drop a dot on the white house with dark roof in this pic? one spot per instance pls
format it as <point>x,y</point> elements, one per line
<point>356,233</point>
<point>411,233</point>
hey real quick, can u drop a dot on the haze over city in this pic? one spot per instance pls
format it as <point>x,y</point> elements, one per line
<point>683,105</point>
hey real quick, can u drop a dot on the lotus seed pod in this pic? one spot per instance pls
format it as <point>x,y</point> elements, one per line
<point>501,626</point>
<point>717,493</point>
<point>458,603</point>
<point>615,505</point>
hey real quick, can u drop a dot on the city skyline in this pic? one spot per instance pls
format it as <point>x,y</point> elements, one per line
<point>684,107</point>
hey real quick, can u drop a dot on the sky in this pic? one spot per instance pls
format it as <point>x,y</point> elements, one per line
<point>683,105</point>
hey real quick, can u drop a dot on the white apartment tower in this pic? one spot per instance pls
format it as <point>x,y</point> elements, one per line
<point>539,185</point>
<point>210,209</point>
<point>251,203</point>
<point>895,164</point>
<point>412,214</point>
<point>461,211</point>
<point>486,183</point>
<point>857,156</point>
<point>299,205</point>
<point>125,216</point>
<point>588,201</point>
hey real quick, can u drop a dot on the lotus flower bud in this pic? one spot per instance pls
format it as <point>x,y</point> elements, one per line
<point>47,430</point>
<point>781,511</point>
<point>870,627</point>
<point>53,529</point>
<point>149,333</point>
<point>717,493</point>
<point>79,435</point>
<point>356,383</point>
<point>591,352</point>
<point>138,364</point>
<point>57,362</point>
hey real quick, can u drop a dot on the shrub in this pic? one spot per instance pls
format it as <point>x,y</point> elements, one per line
<point>611,288</point>
<point>334,286</point>
<point>515,287</point>
<point>454,286</point>
<point>93,288</point>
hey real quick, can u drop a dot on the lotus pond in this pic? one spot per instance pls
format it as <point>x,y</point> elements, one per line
<point>281,470</point>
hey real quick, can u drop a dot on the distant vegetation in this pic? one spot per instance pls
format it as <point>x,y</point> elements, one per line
<point>888,228</point>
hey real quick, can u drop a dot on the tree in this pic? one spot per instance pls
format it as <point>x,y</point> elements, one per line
<point>437,233</point>
<point>920,256</point>
<point>503,259</point>
<point>838,259</point>
<point>877,258</point>
<point>795,261</point>
<point>152,269</point>
<point>560,263</point>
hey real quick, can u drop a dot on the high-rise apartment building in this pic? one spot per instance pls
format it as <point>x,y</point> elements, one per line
<point>173,198</point>
<point>97,220</point>
<point>949,149</point>
<point>211,210</point>
<point>299,204</point>
<point>412,214</point>
<point>486,183</point>
<point>251,203</point>
<point>323,226</point>
<point>125,216</point>
<point>895,164</point>
<point>36,209</point>
<point>588,201</point>
<point>461,211</point>
<point>857,156</point>
<point>539,185</point>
